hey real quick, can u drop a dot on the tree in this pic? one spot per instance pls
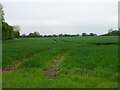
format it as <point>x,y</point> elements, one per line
<point>91,34</point>
<point>7,31</point>
<point>31,35</point>
<point>23,35</point>
<point>84,34</point>
<point>1,13</point>
<point>45,36</point>
<point>36,34</point>
<point>55,35</point>
<point>16,34</point>
<point>78,35</point>
<point>60,35</point>
<point>1,19</point>
<point>66,35</point>
<point>49,35</point>
<point>16,28</point>
<point>110,30</point>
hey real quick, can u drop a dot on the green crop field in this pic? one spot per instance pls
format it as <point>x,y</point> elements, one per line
<point>61,62</point>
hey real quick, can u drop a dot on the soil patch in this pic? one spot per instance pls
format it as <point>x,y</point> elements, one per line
<point>13,67</point>
<point>52,70</point>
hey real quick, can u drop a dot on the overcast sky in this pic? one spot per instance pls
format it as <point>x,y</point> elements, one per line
<point>62,16</point>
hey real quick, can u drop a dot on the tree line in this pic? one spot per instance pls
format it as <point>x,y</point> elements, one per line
<point>111,32</point>
<point>37,34</point>
<point>8,32</point>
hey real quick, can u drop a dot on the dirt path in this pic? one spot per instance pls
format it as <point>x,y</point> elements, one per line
<point>14,66</point>
<point>52,70</point>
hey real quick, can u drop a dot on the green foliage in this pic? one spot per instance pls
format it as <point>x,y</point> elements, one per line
<point>112,32</point>
<point>84,34</point>
<point>16,34</point>
<point>91,34</point>
<point>35,34</point>
<point>1,12</point>
<point>23,35</point>
<point>8,32</point>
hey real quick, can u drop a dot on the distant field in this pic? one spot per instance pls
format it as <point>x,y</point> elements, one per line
<point>61,62</point>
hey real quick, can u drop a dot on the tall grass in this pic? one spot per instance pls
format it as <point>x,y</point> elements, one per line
<point>85,65</point>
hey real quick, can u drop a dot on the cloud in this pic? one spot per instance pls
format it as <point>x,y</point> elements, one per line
<point>49,18</point>
<point>60,1</point>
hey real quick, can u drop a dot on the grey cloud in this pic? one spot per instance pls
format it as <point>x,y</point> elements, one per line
<point>51,18</point>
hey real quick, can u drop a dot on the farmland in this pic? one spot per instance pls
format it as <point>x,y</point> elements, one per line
<point>61,62</point>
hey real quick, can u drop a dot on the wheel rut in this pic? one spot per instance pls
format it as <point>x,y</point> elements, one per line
<point>13,67</point>
<point>51,71</point>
